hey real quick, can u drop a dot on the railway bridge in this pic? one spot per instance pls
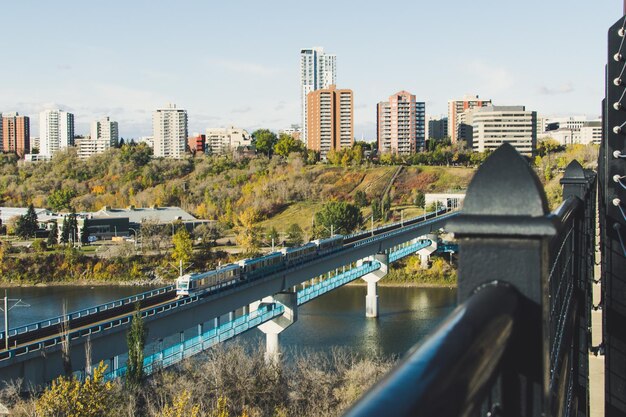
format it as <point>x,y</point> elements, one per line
<point>179,327</point>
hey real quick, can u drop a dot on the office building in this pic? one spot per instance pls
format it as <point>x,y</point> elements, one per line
<point>15,133</point>
<point>591,132</point>
<point>455,109</point>
<point>569,122</point>
<point>317,70</point>
<point>401,124</point>
<point>220,141</point>
<point>574,132</point>
<point>494,125</point>
<point>169,130</point>
<point>56,131</point>
<point>330,115</point>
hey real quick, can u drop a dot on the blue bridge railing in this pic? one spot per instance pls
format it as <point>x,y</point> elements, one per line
<point>518,342</point>
<point>190,347</point>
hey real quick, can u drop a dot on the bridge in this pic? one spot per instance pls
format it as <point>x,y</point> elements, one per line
<point>179,327</point>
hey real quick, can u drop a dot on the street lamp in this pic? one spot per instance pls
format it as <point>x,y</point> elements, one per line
<point>136,236</point>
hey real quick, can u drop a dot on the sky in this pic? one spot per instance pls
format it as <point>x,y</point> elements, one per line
<point>237,62</point>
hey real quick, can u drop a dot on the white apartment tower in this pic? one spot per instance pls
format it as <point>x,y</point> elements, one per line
<point>105,131</point>
<point>169,130</point>
<point>56,131</point>
<point>317,70</point>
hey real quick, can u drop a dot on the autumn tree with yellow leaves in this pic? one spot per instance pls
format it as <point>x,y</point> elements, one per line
<point>72,398</point>
<point>248,231</point>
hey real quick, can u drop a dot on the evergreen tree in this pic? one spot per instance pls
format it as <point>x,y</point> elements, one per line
<point>84,233</point>
<point>27,225</point>
<point>65,231</point>
<point>136,340</point>
<point>73,224</point>
<point>53,236</point>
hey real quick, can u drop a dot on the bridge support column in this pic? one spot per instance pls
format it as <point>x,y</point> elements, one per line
<point>425,253</point>
<point>371,299</point>
<point>275,327</point>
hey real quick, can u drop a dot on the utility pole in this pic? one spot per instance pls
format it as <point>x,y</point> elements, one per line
<point>17,303</point>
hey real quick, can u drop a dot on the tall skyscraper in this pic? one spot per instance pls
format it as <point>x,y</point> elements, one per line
<point>317,70</point>
<point>457,107</point>
<point>169,129</point>
<point>15,134</point>
<point>330,115</point>
<point>56,131</point>
<point>401,124</point>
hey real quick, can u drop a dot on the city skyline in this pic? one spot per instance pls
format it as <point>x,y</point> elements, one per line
<point>250,78</point>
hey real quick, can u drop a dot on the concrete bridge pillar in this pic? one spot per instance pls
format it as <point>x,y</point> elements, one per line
<point>276,326</point>
<point>425,253</point>
<point>371,299</point>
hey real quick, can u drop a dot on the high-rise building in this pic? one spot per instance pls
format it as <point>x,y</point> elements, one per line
<point>401,124</point>
<point>169,129</point>
<point>56,131</point>
<point>494,125</point>
<point>106,131</point>
<point>15,133</point>
<point>437,128</point>
<point>104,135</point>
<point>457,107</point>
<point>219,141</point>
<point>317,70</point>
<point>330,115</point>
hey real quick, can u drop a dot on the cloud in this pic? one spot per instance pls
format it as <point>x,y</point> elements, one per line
<point>563,89</point>
<point>245,109</point>
<point>280,106</point>
<point>243,67</point>
<point>492,77</point>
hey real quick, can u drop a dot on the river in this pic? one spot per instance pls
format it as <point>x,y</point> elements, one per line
<point>406,314</point>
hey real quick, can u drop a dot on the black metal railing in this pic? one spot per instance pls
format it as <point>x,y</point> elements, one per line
<point>517,344</point>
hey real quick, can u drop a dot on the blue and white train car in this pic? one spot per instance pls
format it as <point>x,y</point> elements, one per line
<point>299,254</point>
<point>329,244</point>
<point>267,263</point>
<point>190,284</point>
